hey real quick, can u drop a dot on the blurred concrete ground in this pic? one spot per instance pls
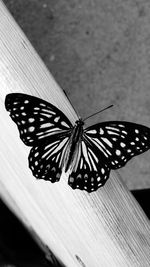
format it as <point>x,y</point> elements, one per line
<point>99,53</point>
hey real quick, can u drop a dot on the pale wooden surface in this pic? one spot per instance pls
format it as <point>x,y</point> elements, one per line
<point>105,228</point>
<point>98,51</point>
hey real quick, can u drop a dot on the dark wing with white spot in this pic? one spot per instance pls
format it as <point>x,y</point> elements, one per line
<point>118,141</point>
<point>46,160</point>
<point>88,171</point>
<point>36,119</point>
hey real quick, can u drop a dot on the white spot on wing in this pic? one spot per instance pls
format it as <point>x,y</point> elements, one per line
<point>81,163</point>
<point>122,144</point>
<point>41,119</point>
<point>42,105</point>
<point>48,111</point>
<point>85,176</point>
<point>56,119</point>
<point>46,125</point>
<point>112,133</point>
<point>63,123</point>
<point>31,119</point>
<point>118,152</point>
<point>132,143</point>
<point>102,170</point>
<point>112,128</point>
<point>92,132</point>
<point>31,129</point>
<point>101,131</point>
<point>124,132</point>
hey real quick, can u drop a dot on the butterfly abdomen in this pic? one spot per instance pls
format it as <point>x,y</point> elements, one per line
<point>75,138</point>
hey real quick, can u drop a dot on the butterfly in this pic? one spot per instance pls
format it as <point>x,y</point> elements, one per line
<point>87,154</point>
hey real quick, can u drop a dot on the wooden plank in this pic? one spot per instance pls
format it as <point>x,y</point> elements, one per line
<point>104,228</point>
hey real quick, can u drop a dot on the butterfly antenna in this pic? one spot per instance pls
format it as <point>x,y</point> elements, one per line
<point>70,102</point>
<point>97,112</point>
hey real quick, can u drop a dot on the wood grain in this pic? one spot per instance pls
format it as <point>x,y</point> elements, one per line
<point>104,228</point>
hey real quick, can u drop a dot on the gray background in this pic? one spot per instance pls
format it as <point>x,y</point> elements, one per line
<point>99,53</point>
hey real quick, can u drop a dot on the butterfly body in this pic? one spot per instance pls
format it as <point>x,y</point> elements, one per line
<point>88,154</point>
<point>74,142</point>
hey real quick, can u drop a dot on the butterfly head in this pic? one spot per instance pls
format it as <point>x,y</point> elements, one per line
<point>79,122</point>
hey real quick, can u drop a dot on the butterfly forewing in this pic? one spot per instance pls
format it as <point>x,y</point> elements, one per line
<point>118,141</point>
<point>36,119</point>
<point>89,171</point>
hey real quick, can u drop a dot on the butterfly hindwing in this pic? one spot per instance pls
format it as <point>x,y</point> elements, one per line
<point>36,119</point>
<point>118,141</point>
<point>46,159</point>
<point>89,172</point>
